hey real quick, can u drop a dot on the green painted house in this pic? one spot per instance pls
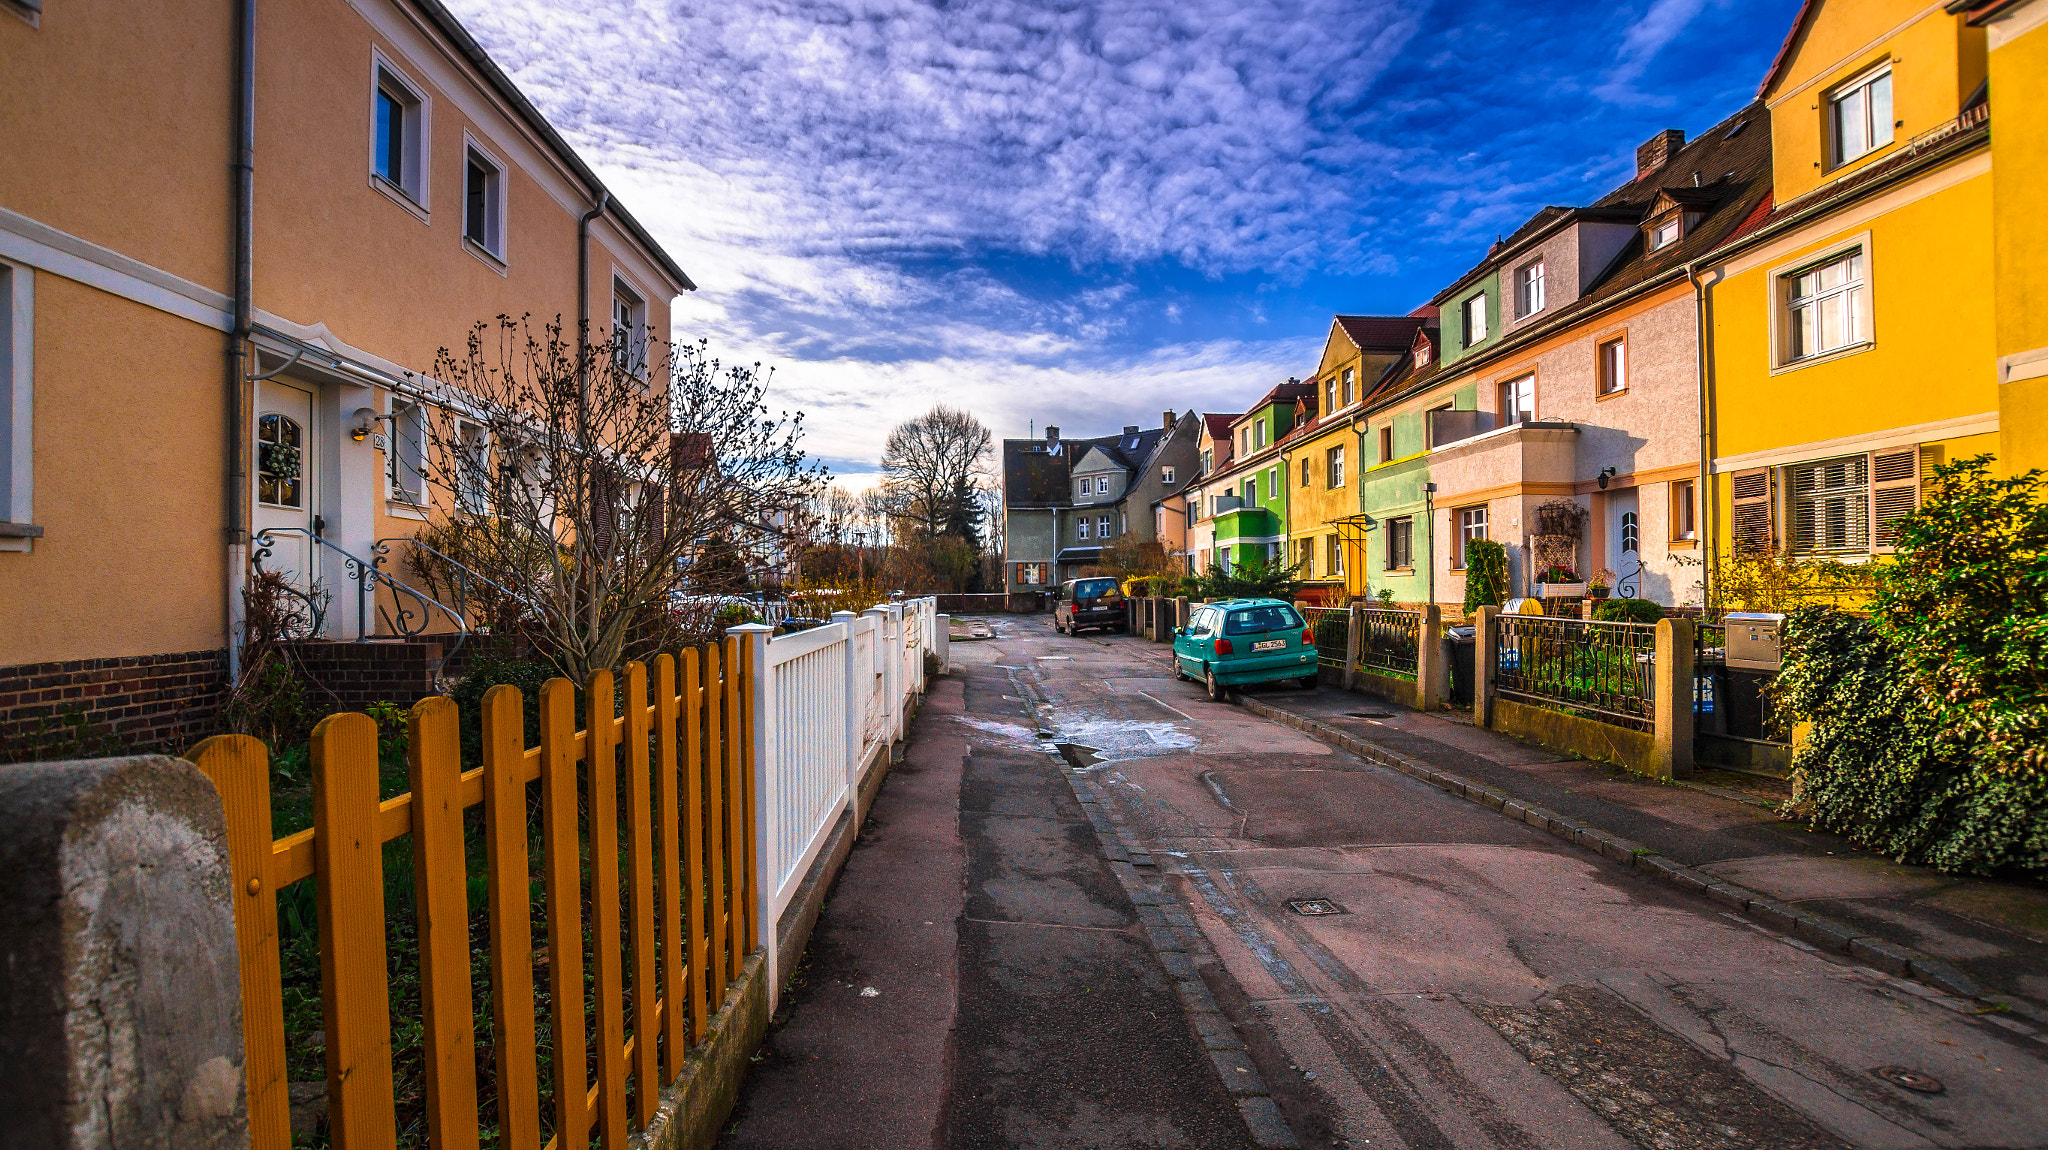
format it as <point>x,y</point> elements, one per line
<point>1247,502</point>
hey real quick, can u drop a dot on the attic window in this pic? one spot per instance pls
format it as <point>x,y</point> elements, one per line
<point>1735,129</point>
<point>1664,233</point>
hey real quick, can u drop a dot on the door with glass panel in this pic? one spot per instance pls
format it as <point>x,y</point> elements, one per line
<point>283,464</point>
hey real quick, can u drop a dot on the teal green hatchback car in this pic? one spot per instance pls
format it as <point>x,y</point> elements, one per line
<point>1243,641</point>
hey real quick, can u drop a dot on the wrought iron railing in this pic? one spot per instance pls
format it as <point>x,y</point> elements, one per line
<point>411,610</point>
<point>1331,627</point>
<point>1606,670</point>
<point>1389,639</point>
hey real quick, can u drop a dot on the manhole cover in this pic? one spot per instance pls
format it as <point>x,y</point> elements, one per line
<point>1370,714</point>
<point>1912,1080</point>
<point>1314,906</point>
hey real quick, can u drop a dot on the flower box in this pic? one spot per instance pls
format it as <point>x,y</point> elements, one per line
<point>1560,590</point>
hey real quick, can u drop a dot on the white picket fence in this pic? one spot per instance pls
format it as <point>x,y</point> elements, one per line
<point>830,701</point>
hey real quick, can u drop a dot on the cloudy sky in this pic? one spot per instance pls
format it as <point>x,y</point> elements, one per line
<point>1083,214</point>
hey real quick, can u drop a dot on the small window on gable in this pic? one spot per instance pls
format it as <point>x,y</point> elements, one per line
<point>483,202</point>
<point>629,328</point>
<point>1860,115</point>
<point>1166,476</point>
<point>1529,289</point>
<point>1329,395</point>
<point>1350,383</point>
<point>398,152</point>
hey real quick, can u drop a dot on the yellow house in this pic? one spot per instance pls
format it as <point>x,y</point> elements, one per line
<point>2017,47</point>
<point>1321,454</point>
<point>216,267</point>
<point>1851,334</point>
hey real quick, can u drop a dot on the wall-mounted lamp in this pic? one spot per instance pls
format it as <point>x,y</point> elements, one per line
<point>363,425</point>
<point>1606,473</point>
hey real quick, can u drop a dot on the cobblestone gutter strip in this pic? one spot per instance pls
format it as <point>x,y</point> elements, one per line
<point>1817,931</point>
<point>1179,943</point>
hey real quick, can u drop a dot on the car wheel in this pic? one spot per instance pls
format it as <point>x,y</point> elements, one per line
<point>1218,693</point>
<point>1180,672</point>
<point>1310,682</point>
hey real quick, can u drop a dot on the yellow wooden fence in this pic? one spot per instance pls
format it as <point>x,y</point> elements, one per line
<point>686,920</point>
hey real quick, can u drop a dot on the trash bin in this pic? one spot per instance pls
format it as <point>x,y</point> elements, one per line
<point>1461,643</point>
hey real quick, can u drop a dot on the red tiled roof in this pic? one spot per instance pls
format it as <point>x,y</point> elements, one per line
<point>1381,332</point>
<point>1806,8</point>
<point>1216,424</point>
<point>1754,220</point>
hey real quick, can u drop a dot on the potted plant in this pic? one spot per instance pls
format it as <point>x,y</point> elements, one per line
<point>1597,587</point>
<point>1559,582</point>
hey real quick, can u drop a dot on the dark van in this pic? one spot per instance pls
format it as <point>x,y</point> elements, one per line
<point>1089,603</point>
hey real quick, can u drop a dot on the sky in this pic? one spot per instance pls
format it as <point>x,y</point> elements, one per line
<point>1084,214</point>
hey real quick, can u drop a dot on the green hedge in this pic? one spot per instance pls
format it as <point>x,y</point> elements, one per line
<point>1873,765</point>
<point>1627,611</point>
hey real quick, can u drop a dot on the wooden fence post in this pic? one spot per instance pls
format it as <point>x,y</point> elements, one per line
<point>239,766</point>
<point>1354,638</point>
<point>1672,718</point>
<point>646,1067</point>
<point>668,805</point>
<point>559,751</point>
<point>601,783</point>
<point>1431,680</point>
<point>511,904</point>
<point>1485,660</point>
<point>441,897</point>
<point>355,995</point>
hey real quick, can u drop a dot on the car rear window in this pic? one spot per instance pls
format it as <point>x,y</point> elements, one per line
<point>1251,620</point>
<point>1090,588</point>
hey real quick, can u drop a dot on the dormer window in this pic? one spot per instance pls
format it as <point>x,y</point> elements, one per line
<point>1664,233</point>
<point>1860,114</point>
<point>1475,320</point>
<point>1422,353</point>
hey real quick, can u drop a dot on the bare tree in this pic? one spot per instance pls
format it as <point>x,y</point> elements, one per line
<point>929,464</point>
<point>587,493</point>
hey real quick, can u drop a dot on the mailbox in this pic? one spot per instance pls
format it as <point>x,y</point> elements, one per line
<point>1752,639</point>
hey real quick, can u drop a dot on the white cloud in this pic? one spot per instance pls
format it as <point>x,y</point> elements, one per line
<point>1660,25</point>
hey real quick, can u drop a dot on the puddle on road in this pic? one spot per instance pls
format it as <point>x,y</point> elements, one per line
<point>1000,729</point>
<point>1112,740</point>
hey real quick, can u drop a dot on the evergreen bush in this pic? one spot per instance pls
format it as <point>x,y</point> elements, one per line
<point>1486,574</point>
<point>1627,611</point>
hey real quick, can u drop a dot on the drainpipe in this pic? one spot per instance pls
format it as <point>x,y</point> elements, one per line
<point>604,200</point>
<point>1429,517</point>
<point>1703,497</point>
<point>244,207</point>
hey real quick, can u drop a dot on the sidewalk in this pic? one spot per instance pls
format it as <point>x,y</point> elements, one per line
<point>979,975</point>
<point>1994,934</point>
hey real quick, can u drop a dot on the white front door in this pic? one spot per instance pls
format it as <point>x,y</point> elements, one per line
<point>1625,541</point>
<point>284,466</point>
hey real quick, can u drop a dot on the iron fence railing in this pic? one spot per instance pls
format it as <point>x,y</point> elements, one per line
<point>1389,640</point>
<point>1331,627</point>
<point>1604,669</point>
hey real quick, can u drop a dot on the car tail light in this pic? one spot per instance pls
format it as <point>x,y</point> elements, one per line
<point>1308,638</point>
<point>1223,647</point>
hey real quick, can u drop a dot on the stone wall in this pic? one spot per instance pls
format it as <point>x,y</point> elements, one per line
<point>97,706</point>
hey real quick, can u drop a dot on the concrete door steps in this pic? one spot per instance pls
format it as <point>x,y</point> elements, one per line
<point>1935,980</point>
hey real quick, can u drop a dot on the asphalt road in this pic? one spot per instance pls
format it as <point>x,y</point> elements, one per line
<point>1481,984</point>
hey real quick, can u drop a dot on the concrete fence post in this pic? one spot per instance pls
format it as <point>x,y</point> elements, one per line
<point>121,1008</point>
<point>942,639</point>
<point>1161,631</point>
<point>1672,705</point>
<point>1354,638</point>
<point>1485,660</point>
<point>1432,683</point>
<point>1180,612</point>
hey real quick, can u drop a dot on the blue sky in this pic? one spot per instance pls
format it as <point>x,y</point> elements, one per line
<point>1084,214</point>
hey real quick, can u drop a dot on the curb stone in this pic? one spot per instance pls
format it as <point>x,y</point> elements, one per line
<point>1812,930</point>
<point>1166,925</point>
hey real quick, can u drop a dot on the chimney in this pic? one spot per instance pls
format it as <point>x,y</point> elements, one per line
<point>1658,150</point>
<point>1052,433</point>
<point>1166,420</point>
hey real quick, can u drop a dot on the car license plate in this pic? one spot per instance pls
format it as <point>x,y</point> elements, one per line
<point>1269,645</point>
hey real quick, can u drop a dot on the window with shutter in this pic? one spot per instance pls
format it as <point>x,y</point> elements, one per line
<point>1830,505</point>
<point>1894,491</point>
<point>1755,533</point>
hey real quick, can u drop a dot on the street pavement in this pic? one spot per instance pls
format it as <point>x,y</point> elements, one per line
<point>1479,983</point>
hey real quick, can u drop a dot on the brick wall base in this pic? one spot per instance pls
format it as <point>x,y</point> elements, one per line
<point>351,676</point>
<point>89,708</point>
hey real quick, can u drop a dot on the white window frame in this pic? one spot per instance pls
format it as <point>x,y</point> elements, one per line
<point>492,246</point>
<point>1511,393</point>
<point>1273,481</point>
<point>1663,235</point>
<point>1166,475</point>
<point>474,437</point>
<point>1336,555</point>
<point>1102,527</point>
<point>1084,488</point>
<point>1850,499</point>
<point>1529,289</point>
<point>1471,526</point>
<point>1615,382</point>
<point>1473,313</point>
<point>1330,394</point>
<point>1350,382</point>
<point>1102,485</point>
<point>1336,474</point>
<point>406,416</point>
<point>1684,510</point>
<point>1082,526</point>
<point>635,298</point>
<point>1258,434</point>
<point>1783,280</point>
<point>1878,131</point>
<point>413,190</point>
<point>17,406</point>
